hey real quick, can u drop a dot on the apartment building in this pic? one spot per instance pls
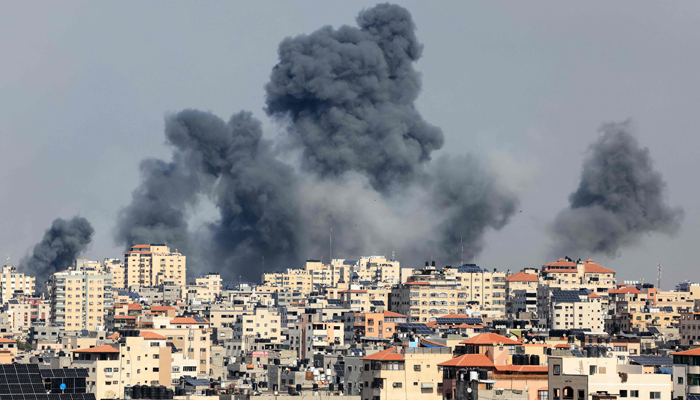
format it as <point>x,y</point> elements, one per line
<point>205,290</point>
<point>79,299</point>
<point>296,279</point>
<point>603,378</point>
<point>378,269</point>
<point>571,309</point>
<point>567,274</point>
<point>521,292</point>
<point>376,325</point>
<point>140,359</point>
<point>356,300</point>
<point>154,264</point>
<point>423,301</point>
<point>116,268</point>
<point>689,329</point>
<point>261,323</point>
<point>24,313</point>
<point>403,373</point>
<point>16,283</point>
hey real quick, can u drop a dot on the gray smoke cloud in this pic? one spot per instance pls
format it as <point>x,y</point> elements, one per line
<point>620,198</point>
<point>346,97</point>
<point>158,210</point>
<point>350,94</point>
<point>60,246</point>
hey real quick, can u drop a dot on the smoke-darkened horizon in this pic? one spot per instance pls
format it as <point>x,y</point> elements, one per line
<point>346,97</point>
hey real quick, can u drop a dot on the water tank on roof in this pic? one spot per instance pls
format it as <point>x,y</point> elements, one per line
<point>534,359</point>
<point>136,392</point>
<point>483,374</point>
<point>593,351</point>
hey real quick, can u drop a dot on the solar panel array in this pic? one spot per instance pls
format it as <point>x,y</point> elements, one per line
<point>652,360</point>
<point>567,296</point>
<point>335,301</point>
<point>668,309</point>
<point>465,320</point>
<point>28,382</point>
<point>377,302</point>
<point>416,327</point>
<point>200,320</point>
<point>653,330</point>
<point>472,268</point>
<point>339,369</point>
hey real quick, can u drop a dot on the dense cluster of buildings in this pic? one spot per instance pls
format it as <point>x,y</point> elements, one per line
<point>366,329</point>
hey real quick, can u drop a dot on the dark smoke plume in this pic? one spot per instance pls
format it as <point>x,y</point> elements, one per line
<point>60,246</point>
<point>348,98</point>
<point>619,199</point>
<point>157,213</point>
<point>350,93</point>
<point>255,193</point>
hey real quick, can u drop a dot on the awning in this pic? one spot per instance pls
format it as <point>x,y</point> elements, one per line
<point>427,385</point>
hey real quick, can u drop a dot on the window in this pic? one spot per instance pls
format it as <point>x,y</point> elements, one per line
<point>557,369</point>
<point>555,393</point>
<point>581,394</point>
<point>568,392</point>
<point>654,395</point>
<point>156,369</point>
<point>542,395</point>
<point>634,393</point>
<point>592,370</point>
<point>397,384</point>
<point>680,380</point>
<point>623,393</point>
<point>416,367</point>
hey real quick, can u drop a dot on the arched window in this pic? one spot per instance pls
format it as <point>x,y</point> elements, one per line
<point>568,392</point>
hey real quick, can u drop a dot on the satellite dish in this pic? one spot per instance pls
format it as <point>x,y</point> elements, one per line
<point>495,344</point>
<point>500,343</point>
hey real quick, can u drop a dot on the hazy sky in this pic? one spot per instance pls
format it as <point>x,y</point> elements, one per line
<point>84,89</point>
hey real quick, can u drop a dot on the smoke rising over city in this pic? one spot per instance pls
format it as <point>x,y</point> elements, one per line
<point>62,243</point>
<point>620,198</point>
<point>346,98</point>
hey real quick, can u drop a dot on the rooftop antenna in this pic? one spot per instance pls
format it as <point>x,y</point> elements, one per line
<point>461,243</point>
<point>658,277</point>
<point>263,263</point>
<point>330,247</point>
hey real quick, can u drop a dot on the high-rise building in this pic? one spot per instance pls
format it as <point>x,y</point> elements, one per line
<point>79,299</point>
<point>116,268</point>
<point>154,264</point>
<point>14,282</point>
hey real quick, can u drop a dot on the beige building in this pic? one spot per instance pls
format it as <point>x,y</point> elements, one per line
<point>604,378</point>
<point>14,282</point>
<point>295,279</point>
<point>403,373</point>
<point>79,299</point>
<point>116,268</point>
<point>261,323</point>
<point>378,269</point>
<point>205,290</point>
<point>23,313</point>
<point>573,310</point>
<point>154,264</point>
<point>134,360</point>
<point>423,301</point>
<point>568,274</point>
<point>356,300</point>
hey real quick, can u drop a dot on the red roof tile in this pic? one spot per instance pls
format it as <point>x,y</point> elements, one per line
<point>691,352</point>
<point>417,283</point>
<point>5,340</point>
<point>151,335</point>
<point>625,290</point>
<point>522,276</point>
<point>392,314</point>
<point>386,355</point>
<point>468,360</point>
<point>592,267</point>
<point>561,263</point>
<point>593,295</point>
<point>489,338</point>
<point>163,308</point>
<point>99,349</point>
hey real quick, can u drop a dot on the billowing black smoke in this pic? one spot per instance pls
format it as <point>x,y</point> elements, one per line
<point>60,246</point>
<point>350,94</point>
<point>619,199</point>
<point>347,97</point>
